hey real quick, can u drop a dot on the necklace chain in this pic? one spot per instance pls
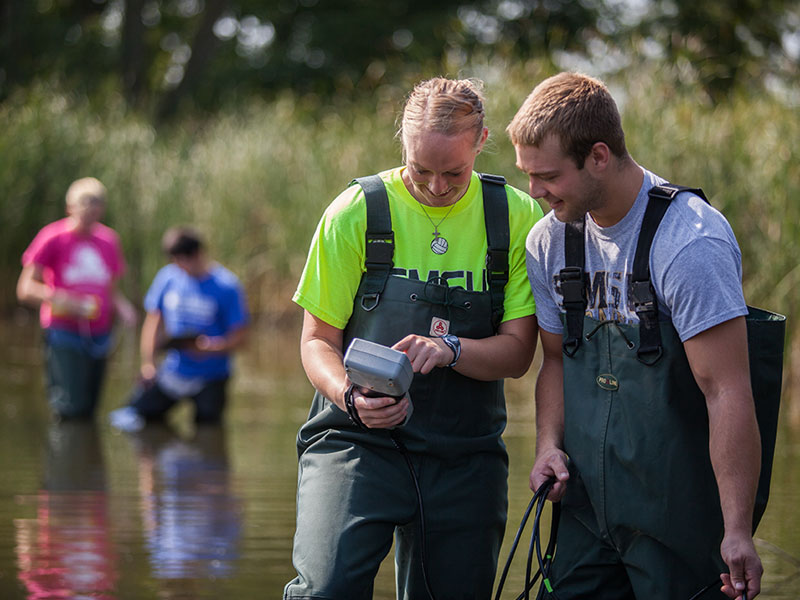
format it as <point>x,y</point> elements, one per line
<point>439,244</point>
<point>436,225</point>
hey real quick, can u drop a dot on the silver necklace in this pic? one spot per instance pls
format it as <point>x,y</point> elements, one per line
<point>439,244</point>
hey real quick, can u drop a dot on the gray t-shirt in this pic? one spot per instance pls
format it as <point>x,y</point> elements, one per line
<point>695,266</point>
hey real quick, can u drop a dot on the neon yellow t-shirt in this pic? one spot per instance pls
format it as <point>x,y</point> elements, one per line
<point>335,261</point>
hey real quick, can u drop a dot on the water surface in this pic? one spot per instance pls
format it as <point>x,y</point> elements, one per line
<point>180,513</point>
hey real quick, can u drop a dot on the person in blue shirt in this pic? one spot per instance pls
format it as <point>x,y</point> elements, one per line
<point>197,313</point>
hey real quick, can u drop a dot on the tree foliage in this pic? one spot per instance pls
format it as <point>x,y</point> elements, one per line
<point>165,55</point>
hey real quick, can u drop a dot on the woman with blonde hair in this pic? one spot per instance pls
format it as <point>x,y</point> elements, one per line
<point>428,258</point>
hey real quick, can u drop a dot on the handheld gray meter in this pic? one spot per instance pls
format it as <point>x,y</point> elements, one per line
<point>381,369</point>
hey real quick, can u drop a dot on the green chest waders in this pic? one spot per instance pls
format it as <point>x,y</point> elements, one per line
<point>636,428</point>
<point>355,493</point>
<point>453,415</point>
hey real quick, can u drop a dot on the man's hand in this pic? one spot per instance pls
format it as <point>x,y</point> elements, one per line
<point>128,315</point>
<point>551,463</point>
<point>740,555</point>
<point>148,371</point>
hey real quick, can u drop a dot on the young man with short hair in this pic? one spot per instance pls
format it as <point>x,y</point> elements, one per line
<point>656,464</point>
<point>196,311</point>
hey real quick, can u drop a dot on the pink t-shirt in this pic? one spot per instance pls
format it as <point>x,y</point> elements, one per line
<point>86,265</point>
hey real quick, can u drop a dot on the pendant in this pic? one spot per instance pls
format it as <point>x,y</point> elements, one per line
<point>439,245</point>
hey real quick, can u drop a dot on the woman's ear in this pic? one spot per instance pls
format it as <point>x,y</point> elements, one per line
<point>484,136</point>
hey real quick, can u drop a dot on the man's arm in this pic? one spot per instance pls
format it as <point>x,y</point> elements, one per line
<point>151,329</point>
<point>31,288</point>
<point>551,460</point>
<point>719,361</point>
<point>507,354</point>
<point>124,309</point>
<point>322,357</point>
<point>33,291</point>
<point>233,340</point>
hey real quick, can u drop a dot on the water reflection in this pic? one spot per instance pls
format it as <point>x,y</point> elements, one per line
<point>210,515</point>
<point>191,520</point>
<point>66,551</point>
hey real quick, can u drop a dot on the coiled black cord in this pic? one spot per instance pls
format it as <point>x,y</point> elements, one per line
<point>544,561</point>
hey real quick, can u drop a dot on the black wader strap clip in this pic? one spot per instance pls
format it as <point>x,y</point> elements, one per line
<point>646,307</point>
<point>573,289</point>
<point>572,280</point>
<point>379,244</point>
<point>641,293</point>
<point>495,213</point>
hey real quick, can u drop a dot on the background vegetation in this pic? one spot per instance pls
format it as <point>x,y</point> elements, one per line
<point>247,117</point>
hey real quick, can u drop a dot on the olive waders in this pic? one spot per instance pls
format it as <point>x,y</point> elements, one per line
<point>355,490</point>
<point>641,517</point>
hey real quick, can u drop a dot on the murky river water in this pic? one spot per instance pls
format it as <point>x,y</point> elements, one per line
<point>178,513</point>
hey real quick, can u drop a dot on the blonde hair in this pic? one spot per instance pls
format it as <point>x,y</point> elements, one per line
<point>447,106</point>
<point>577,109</point>
<point>86,187</point>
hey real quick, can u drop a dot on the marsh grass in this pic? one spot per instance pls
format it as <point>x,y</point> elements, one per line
<point>255,178</point>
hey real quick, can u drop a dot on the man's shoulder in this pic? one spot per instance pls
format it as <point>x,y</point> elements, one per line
<point>47,241</point>
<point>169,271</point>
<point>105,234</point>
<point>545,229</point>
<point>52,231</point>
<point>691,219</point>
<point>225,278</point>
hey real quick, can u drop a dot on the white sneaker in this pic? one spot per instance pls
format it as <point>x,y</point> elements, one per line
<point>126,419</point>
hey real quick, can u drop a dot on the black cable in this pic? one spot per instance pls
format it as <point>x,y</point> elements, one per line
<point>514,545</point>
<point>536,536</point>
<point>529,563</point>
<point>714,583</point>
<point>537,502</point>
<point>705,589</point>
<point>545,561</point>
<point>404,451</point>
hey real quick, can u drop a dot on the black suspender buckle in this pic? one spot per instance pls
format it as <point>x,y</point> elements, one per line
<point>643,297</point>
<point>573,289</point>
<point>379,250</point>
<point>645,304</point>
<point>497,264</point>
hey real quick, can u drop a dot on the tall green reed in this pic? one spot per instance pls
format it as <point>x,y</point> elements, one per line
<point>256,177</point>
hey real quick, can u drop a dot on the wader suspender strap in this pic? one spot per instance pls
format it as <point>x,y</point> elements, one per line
<point>495,214</point>
<point>573,284</point>
<point>379,240</point>
<point>641,291</point>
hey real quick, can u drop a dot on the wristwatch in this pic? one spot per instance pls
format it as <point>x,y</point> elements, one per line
<point>454,344</point>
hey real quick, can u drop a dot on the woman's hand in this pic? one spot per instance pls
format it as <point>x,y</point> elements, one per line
<point>425,353</point>
<point>383,412</point>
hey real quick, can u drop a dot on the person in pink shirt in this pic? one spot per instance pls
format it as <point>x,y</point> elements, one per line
<point>70,271</point>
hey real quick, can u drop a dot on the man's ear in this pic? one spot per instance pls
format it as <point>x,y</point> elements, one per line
<point>599,158</point>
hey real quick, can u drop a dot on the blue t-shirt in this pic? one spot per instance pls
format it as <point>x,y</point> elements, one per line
<point>213,305</point>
